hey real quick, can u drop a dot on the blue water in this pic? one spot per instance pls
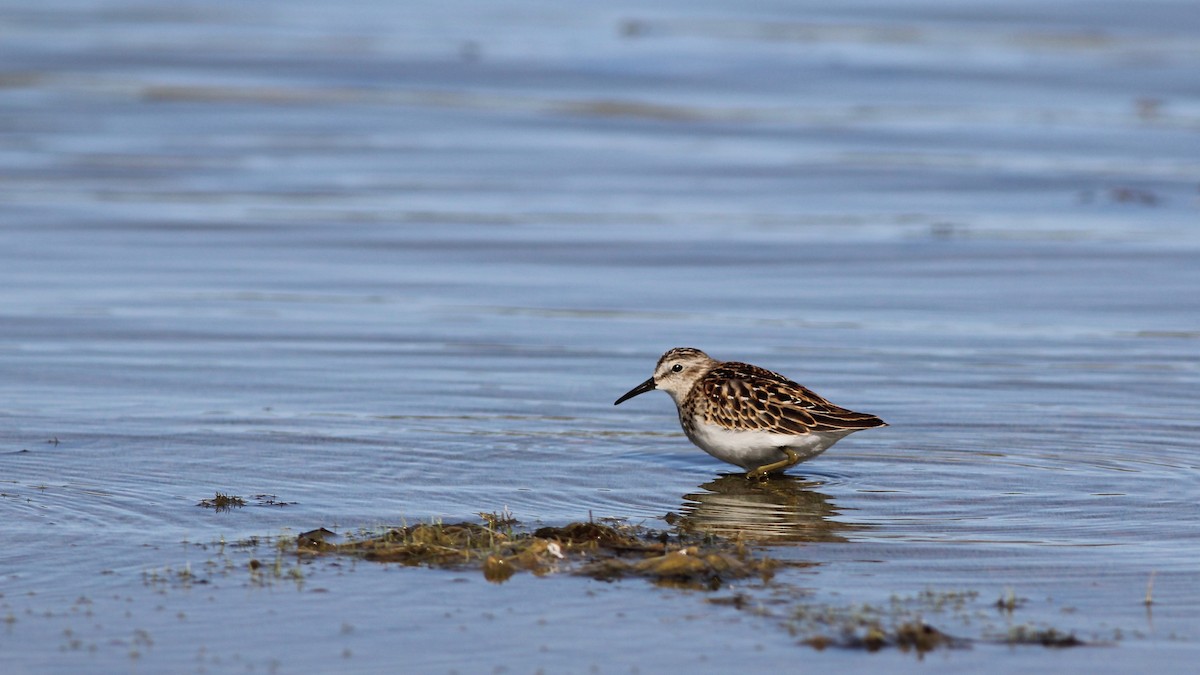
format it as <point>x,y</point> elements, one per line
<point>389,265</point>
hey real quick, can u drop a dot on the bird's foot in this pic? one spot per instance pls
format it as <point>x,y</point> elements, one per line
<point>765,470</point>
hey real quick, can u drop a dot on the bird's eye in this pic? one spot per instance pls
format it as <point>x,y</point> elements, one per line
<point>677,367</point>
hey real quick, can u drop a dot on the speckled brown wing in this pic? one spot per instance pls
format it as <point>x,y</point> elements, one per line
<point>742,396</point>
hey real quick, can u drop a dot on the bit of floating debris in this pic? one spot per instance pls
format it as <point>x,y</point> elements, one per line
<point>223,502</point>
<point>1046,637</point>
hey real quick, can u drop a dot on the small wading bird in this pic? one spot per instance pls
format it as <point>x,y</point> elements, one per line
<point>749,416</point>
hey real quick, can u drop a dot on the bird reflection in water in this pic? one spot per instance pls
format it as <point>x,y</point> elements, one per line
<point>784,509</point>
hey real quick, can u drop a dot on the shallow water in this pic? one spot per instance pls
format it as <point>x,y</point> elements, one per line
<point>384,266</point>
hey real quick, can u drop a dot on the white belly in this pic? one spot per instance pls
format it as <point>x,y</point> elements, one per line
<point>752,449</point>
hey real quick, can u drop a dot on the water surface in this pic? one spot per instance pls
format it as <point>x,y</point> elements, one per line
<point>391,265</point>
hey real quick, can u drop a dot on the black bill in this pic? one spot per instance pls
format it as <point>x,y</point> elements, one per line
<point>642,388</point>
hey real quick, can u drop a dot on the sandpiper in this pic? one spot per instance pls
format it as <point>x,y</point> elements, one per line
<point>749,416</point>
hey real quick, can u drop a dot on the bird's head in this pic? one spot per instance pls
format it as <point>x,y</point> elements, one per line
<point>676,373</point>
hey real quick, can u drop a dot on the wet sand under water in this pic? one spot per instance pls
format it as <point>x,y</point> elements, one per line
<point>375,269</point>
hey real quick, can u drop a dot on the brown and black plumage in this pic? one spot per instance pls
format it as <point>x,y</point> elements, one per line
<point>747,415</point>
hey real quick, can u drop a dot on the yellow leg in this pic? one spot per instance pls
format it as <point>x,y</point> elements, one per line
<point>762,471</point>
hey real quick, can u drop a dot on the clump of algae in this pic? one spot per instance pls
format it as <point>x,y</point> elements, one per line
<point>223,502</point>
<point>1046,637</point>
<point>912,635</point>
<point>899,624</point>
<point>500,548</point>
